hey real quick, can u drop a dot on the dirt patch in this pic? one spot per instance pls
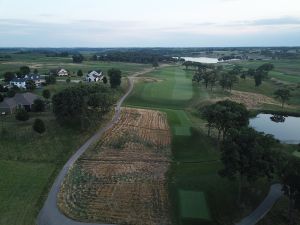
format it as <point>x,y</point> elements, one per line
<point>122,179</point>
<point>251,100</point>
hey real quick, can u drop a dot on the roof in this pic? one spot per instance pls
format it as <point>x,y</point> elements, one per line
<point>95,74</point>
<point>26,77</point>
<point>19,99</point>
<point>25,98</point>
<point>8,103</point>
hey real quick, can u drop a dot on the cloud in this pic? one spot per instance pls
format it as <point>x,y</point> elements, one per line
<point>97,33</point>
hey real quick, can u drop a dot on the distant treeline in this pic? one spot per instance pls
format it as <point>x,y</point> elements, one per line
<point>133,57</point>
<point>229,57</point>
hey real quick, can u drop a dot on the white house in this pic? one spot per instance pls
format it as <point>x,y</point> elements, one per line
<point>62,73</point>
<point>21,82</point>
<point>94,76</point>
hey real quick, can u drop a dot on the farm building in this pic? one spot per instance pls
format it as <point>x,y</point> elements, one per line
<point>21,82</point>
<point>23,100</point>
<point>94,76</point>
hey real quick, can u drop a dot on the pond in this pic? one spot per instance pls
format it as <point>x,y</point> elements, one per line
<point>201,59</point>
<point>285,129</point>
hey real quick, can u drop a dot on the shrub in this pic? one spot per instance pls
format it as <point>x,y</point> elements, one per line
<point>22,115</point>
<point>38,106</point>
<point>39,126</point>
<point>11,93</point>
<point>46,94</point>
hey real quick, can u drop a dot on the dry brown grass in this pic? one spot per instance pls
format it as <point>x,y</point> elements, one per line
<point>122,179</point>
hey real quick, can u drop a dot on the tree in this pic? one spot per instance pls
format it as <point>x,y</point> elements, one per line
<point>213,78</point>
<point>30,85</point>
<point>105,80</point>
<point>77,58</point>
<point>115,76</point>
<point>1,98</point>
<point>225,115</point>
<point>46,94</point>
<point>155,63</point>
<point>39,126</point>
<point>68,80</point>
<point>51,79</point>
<point>22,115</point>
<point>245,153</point>
<point>290,179</point>
<point>35,71</point>
<point>261,73</point>
<point>11,93</point>
<point>8,76</point>
<point>283,94</point>
<point>38,105</point>
<point>79,73</point>
<point>197,77</point>
<point>24,70</point>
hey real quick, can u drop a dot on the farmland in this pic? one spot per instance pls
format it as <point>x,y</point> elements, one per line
<point>122,179</point>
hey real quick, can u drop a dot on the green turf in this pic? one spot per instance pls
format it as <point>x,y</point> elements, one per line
<point>193,205</point>
<point>21,187</point>
<point>173,89</point>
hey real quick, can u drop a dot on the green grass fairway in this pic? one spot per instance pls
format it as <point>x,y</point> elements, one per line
<point>21,187</point>
<point>193,205</point>
<point>172,89</point>
<point>181,124</point>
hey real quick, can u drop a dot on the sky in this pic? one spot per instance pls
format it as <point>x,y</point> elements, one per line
<point>149,23</point>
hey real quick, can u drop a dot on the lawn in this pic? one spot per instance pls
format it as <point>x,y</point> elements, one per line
<point>21,186</point>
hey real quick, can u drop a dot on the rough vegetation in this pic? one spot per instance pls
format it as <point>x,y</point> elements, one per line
<point>122,179</point>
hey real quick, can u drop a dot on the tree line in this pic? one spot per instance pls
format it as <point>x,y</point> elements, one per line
<point>83,104</point>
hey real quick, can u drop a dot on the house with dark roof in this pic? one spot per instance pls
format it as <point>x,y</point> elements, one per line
<point>94,76</point>
<point>20,82</point>
<point>20,100</point>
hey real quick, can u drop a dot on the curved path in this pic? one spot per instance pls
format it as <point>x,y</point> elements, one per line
<point>50,214</point>
<point>274,194</point>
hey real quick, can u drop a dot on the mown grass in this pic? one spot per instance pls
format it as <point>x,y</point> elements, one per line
<point>21,186</point>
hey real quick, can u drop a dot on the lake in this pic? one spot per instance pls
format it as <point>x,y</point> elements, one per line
<point>201,59</point>
<point>286,129</point>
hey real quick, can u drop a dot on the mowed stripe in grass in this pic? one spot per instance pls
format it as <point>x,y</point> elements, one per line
<point>21,187</point>
<point>171,88</point>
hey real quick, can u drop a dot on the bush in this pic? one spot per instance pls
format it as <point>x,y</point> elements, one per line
<point>39,126</point>
<point>22,115</point>
<point>11,93</point>
<point>46,94</point>
<point>38,106</point>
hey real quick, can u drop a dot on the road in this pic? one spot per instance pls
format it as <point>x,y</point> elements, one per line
<point>50,214</point>
<point>274,194</point>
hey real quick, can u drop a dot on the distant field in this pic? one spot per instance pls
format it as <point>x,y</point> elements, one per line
<point>22,185</point>
<point>286,70</point>
<point>44,64</point>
